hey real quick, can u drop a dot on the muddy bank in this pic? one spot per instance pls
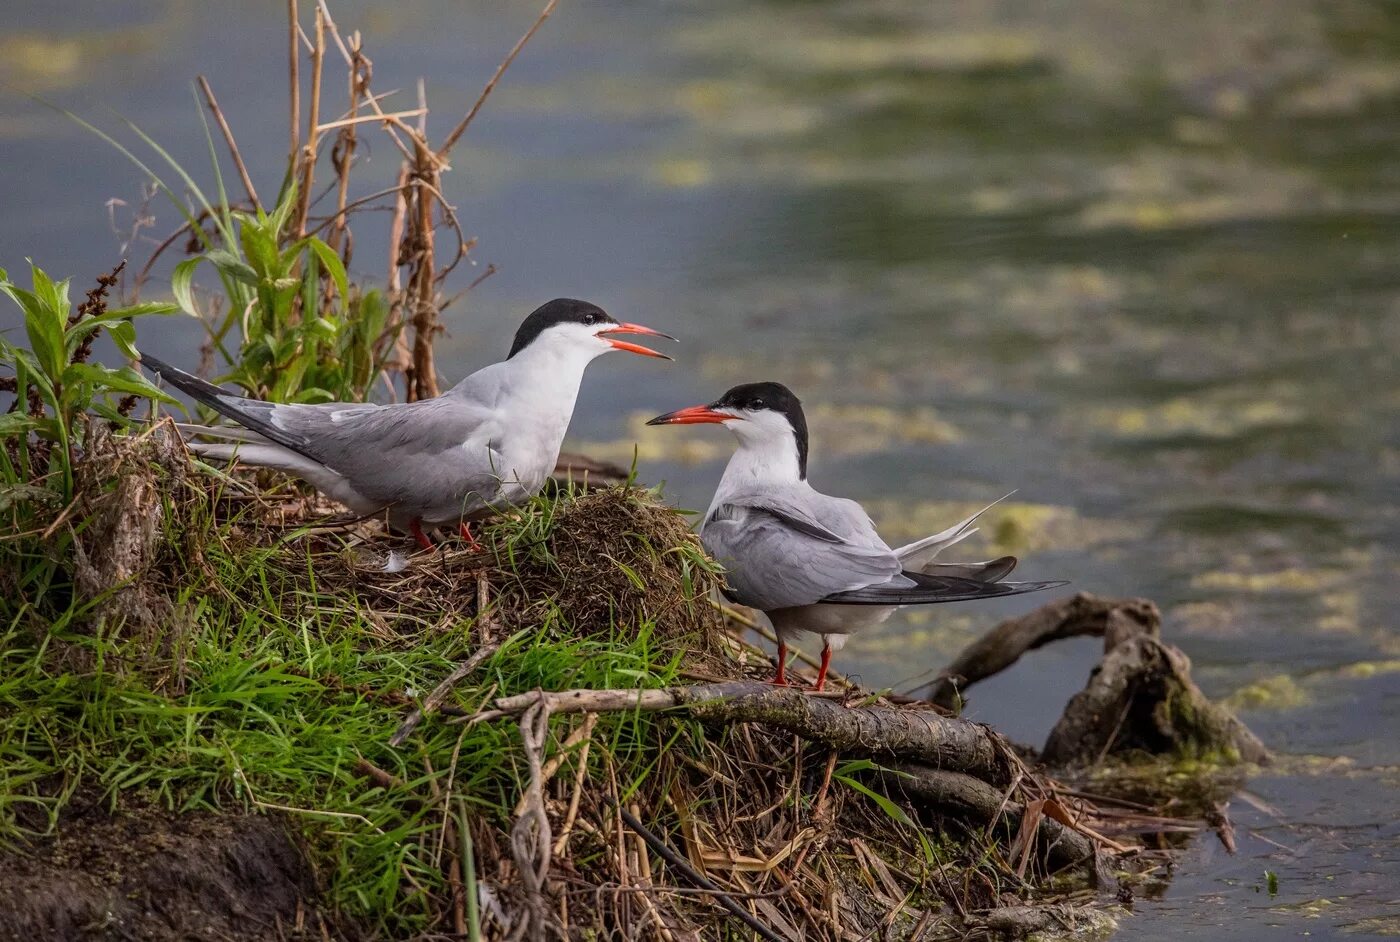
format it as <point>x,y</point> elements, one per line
<point>152,875</point>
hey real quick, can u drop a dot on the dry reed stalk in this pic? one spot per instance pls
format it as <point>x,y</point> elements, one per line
<point>461,127</point>
<point>419,254</point>
<point>308,154</point>
<point>418,251</point>
<point>294,81</point>
<point>357,77</point>
<point>399,359</point>
<point>229,140</point>
<point>561,843</point>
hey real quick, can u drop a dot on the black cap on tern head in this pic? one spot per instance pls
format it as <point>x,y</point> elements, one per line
<point>755,397</point>
<point>558,311</point>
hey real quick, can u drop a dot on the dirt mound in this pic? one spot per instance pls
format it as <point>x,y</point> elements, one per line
<point>150,875</point>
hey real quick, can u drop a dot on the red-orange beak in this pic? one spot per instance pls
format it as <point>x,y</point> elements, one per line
<point>634,347</point>
<point>695,415</point>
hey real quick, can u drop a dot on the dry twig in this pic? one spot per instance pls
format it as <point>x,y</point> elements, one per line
<point>229,140</point>
<point>433,700</point>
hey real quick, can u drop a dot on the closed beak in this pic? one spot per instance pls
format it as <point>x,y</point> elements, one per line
<point>695,415</point>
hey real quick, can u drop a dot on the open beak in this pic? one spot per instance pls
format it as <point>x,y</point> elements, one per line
<point>634,347</point>
<point>695,415</point>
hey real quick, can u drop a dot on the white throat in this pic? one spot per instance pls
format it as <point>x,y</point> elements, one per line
<point>534,399</point>
<point>767,453</point>
<point>545,376</point>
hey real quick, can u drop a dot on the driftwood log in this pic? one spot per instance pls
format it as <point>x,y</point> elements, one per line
<point>1072,617</point>
<point>870,730</point>
<point>1139,699</point>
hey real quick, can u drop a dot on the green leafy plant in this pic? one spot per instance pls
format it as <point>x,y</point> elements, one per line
<point>53,381</point>
<point>303,332</point>
<point>298,342</point>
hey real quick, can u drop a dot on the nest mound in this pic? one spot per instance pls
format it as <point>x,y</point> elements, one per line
<point>615,558</point>
<point>804,809</point>
<point>583,563</point>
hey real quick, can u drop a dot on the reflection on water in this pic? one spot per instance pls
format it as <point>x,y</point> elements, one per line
<point>1137,261</point>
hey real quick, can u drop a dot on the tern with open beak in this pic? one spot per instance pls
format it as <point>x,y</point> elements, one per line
<point>490,441</point>
<point>810,562</point>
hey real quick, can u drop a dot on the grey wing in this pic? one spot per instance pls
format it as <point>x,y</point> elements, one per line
<point>391,452</point>
<point>444,446</point>
<point>832,519</point>
<point>776,558</point>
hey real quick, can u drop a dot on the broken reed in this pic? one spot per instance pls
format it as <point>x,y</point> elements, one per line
<point>417,266</point>
<point>419,204</point>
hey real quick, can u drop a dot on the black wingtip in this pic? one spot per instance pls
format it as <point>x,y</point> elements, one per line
<point>154,364</point>
<point>929,590</point>
<point>225,403</point>
<point>206,392</point>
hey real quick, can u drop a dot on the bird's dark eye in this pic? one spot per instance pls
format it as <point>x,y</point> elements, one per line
<point>756,404</point>
<point>590,319</point>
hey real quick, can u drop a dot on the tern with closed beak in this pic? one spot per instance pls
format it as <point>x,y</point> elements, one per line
<point>810,562</point>
<point>490,441</point>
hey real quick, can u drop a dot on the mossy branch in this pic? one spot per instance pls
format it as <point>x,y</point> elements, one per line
<point>872,730</point>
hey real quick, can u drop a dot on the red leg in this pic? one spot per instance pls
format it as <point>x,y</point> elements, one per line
<point>826,662</point>
<point>781,678</point>
<point>465,529</point>
<point>416,528</point>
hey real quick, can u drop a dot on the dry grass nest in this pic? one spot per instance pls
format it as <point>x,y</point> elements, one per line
<point>584,562</point>
<point>616,557</point>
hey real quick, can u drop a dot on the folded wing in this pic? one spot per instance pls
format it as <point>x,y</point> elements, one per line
<point>780,556</point>
<point>390,453</point>
<point>917,588</point>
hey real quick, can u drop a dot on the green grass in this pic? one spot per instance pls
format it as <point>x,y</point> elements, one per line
<point>262,704</point>
<point>241,670</point>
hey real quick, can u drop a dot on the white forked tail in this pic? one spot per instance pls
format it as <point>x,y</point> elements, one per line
<point>920,554</point>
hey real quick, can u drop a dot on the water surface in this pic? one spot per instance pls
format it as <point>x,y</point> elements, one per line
<point>1136,261</point>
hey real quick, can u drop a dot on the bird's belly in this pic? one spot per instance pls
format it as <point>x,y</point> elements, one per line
<point>829,619</point>
<point>525,476</point>
<point>512,483</point>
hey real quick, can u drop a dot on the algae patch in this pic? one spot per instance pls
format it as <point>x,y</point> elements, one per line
<point>1279,692</point>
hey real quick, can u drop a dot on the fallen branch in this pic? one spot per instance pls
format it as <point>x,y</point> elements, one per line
<point>1076,616</point>
<point>972,798</point>
<point>869,730</point>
